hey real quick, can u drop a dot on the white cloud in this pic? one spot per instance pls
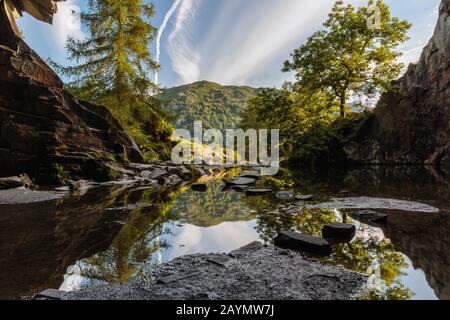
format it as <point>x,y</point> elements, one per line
<point>161,30</point>
<point>224,237</point>
<point>66,24</point>
<point>242,38</point>
<point>185,59</point>
<point>267,29</point>
<point>246,42</point>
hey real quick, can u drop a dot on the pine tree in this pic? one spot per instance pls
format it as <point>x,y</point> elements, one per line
<point>113,65</point>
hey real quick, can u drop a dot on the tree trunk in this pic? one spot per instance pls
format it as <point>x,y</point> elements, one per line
<point>342,105</point>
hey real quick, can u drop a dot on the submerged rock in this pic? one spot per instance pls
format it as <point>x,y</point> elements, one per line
<point>260,273</point>
<point>285,195</point>
<point>303,243</point>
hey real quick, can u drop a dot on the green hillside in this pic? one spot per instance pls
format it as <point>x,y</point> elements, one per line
<point>216,105</point>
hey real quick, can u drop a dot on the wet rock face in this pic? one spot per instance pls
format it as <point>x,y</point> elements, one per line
<point>411,124</point>
<point>42,125</point>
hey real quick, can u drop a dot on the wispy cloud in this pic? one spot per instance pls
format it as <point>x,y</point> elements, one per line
<point>185,59</point>
<point>161,30</point>
<point>246,42</point>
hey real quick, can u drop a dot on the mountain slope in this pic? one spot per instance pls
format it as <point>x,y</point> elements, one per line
<point>215,105</point>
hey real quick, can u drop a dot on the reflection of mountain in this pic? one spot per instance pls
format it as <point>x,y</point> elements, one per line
<point>425,239</point>
<point>210,208</point>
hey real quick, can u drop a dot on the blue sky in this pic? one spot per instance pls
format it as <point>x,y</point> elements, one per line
<point>231,41</point>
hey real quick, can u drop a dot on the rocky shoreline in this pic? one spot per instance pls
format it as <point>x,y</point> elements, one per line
<point>253,272</point>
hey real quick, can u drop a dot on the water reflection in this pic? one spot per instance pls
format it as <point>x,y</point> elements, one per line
<point>114,234</point>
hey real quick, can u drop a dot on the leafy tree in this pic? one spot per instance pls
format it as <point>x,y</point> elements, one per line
<point>294,114</point>
<point>113,63</point>
<point>350,57</point>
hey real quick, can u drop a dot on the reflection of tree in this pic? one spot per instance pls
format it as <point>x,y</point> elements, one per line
<point>308,221</point>
<point>364,254</point>
<point>210,208</point>
<point>137,241</point>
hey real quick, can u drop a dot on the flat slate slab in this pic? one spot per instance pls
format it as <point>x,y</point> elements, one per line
<point>50,294</point>
<point>302,197</point>
<point>257,192</point>
<point>339,231</point>
<point>375,203</point>
<point>24,196</point>
<point>260,273</point>
<point>303,243</point>
<point>240,182</point>
<point>250,174</point>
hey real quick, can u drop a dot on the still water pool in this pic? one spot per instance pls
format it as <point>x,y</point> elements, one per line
<point>115,233</point>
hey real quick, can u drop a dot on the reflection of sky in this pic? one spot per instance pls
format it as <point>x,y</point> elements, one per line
<point>415,280</point>
<point>187,238</point>
<point>225,237</point>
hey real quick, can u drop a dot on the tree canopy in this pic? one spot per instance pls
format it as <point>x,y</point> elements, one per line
<point>352,56</point>
<point>113,65</point>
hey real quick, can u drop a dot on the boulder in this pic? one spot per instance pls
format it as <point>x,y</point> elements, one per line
<point>339,231</point>
<point>303,243</point>
<point>44,130</point>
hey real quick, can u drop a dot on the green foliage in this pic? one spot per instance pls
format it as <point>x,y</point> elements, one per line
<point>323,143</point>
<point>212,207</point>
<point>294,114</point>
<point>216,106</point>
<point>130,252</point>
<point>349,58</point>
<point>112,67</point>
